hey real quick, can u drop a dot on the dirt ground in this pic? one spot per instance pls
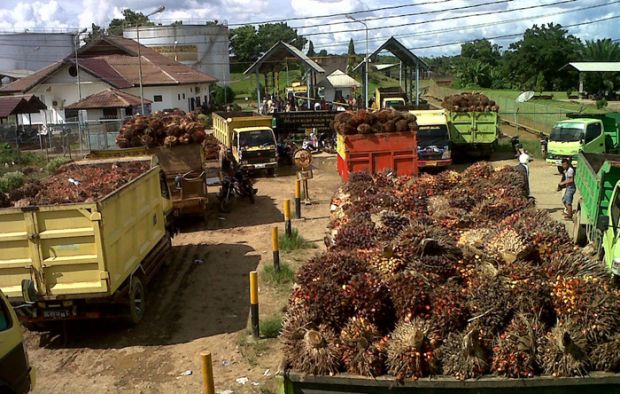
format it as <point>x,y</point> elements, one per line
<point>200,302</point>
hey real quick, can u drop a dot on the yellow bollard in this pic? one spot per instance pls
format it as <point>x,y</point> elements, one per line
<point>254,303</point>
<point>288,228</point>
<point>207,372</point>
<point>297,199</point>
<point>275,247</point>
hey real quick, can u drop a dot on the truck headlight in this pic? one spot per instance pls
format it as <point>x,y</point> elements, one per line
<point>244,162</point>
<point>273,159</point>
<point>615,266</point>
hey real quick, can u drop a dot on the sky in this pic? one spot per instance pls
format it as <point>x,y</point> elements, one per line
<point>418,32</point>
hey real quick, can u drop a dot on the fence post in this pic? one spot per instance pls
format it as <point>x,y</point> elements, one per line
<point>288,228</point>
<point>297,199</point>
<point>275,246</point>
<point>254,303</point>
<point>207,372</point>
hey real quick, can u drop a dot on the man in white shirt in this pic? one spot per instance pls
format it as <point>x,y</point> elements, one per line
<point>569,184</point>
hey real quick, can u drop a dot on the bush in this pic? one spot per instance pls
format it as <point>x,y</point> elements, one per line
<point>600,104</point>
<point>224,95</point>
<point>271,327</point>
<point>55,164</point>
<point>294,242</point>
<point>569,93</point>
<point>11,181</point>
<point>286,274</point>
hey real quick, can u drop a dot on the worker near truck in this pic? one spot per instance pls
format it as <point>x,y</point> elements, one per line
<point>568,183</point>
<point>524,169</point>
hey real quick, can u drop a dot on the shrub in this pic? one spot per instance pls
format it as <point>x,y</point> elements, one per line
<point>286,274</point>
<point>11,181</point>
<point>600,104</point>
<point>55,164</point>
<point>294,242</point>
<point>270,328</point>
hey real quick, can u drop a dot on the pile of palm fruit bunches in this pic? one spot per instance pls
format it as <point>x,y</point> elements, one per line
<point>453,274</point>
<point>469,102</point>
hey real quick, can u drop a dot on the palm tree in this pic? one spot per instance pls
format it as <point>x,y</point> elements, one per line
<point>604,50</point>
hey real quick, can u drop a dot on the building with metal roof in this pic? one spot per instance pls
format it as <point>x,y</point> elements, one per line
<point>338,85</point>
<point>584,67</point>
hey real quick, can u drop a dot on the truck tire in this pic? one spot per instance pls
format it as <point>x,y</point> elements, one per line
<point>579,230</point>
<point>136,305</point>
<point>271,172</point>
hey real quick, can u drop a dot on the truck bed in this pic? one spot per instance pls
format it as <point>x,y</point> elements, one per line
<point>595,178</point>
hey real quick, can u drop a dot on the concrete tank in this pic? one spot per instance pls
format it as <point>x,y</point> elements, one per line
<point>203,47</point>
<point>33,51</point>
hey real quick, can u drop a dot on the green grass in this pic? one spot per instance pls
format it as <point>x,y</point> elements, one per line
<point>271,327</point>
<point>285,276</point>
<point>532,147</point>
<point>294,242</point>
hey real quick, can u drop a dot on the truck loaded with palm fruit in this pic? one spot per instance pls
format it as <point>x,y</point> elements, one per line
<point>85,242</point>
<point>449,283</point>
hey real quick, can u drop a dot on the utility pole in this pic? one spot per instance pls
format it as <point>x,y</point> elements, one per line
<point>365,60</point>
<point>157,11</point>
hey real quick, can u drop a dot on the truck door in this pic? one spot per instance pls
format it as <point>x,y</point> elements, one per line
<point>594,139</point>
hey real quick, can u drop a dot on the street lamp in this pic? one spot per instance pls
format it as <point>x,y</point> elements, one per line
<point>76,43</point>
<point>365,59</point>
<point>157,11</point>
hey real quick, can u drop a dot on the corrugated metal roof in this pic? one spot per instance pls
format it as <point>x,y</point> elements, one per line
<point>400,51</point>
<point>338,79</point>
<point>279,53</point>
<point>595,66</point>
<point>16,74</point>
<point>111,98</point>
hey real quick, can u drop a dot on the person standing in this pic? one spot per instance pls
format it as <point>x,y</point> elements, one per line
<point>524,169</point>
<point>568,183</point>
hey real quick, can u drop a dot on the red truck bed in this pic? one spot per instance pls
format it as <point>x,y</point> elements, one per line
<point>374,153</point>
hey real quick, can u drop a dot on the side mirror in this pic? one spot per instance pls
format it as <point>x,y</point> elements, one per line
<point>29,292</point>
<point>603,223</point>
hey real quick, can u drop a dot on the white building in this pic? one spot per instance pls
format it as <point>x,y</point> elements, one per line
<point>113,63</point>
<point>339,85</point>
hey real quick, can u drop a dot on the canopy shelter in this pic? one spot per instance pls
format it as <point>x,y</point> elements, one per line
<point>583,67</point>
<point>272,62</point>
<point>411,65</point>
<point>17,105</point>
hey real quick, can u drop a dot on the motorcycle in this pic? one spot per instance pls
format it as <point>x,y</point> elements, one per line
<point>286,149</point>
<point>517,148</point>
<point>238,185</point>
<point>317,143</point>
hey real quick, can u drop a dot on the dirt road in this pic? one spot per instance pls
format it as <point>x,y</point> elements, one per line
<point>200,302</point>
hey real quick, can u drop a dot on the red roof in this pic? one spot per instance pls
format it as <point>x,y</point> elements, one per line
<point>111,98</point>
<point>27,104</point>
<point>115,61</point>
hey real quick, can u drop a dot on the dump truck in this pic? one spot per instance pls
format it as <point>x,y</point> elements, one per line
<point>89,259</point>
<point>16,373</point>
<point>474,131</point>
<point>598,210</point>
<point>396,98</point>
<point>590,133</point>
<point>186,172</point>
<point>374,153</point>
<point>248,139</point>
<point>433,137</point>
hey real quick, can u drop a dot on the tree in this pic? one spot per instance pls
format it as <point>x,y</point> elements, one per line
<point>351,58</point>
<point>540,83</point>
<point>543,49</point>
<point>351,51</point>
<point>482,50</point>
<point>470,72</point>
<point>224,95</point>
<point>130,19</point>
<point>323,53</point>
<point>311,49</point>
<point>248,43</point>
<point>95,32</point>
<point>604,50</point>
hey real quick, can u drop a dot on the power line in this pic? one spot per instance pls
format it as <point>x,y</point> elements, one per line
<point>441,19</point>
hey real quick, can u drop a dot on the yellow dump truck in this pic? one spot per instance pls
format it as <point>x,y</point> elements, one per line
<point>87,260</point>
<point>248,138</point>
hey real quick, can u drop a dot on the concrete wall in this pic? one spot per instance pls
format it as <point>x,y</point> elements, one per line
<point>33,51</point>
<point>202,47</point>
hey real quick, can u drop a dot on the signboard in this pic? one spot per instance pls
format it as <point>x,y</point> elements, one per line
<point>180,53</point>
<point>300,121</point>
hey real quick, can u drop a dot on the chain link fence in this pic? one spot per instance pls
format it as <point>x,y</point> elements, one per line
<point>537,115</point>
<point>71,139</point>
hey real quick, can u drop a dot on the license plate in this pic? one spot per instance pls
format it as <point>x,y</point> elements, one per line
<point>56,314</point>
<point>431,163</point>
<point>260,165</point>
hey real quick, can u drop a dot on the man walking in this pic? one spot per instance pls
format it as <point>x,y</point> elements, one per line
<point>568,183</point>
<point>523,168</point>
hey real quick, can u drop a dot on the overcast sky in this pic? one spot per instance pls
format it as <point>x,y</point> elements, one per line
<point>17,15</point>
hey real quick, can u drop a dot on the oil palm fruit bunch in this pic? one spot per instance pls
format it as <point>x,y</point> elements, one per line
<point>514,354</point>
<point>529,290</point>
<point>410,293</point>
<point>499,208</point>
<point>575,265</point>
<point>370,300</point>
<point>509,183</point>
<point>465,355</point>
<point>318,353</point>
<point>421,238</point>
<point>477,171</point>
<point>589,304</point>
<point>409,351</point>
<point>294,326</point>
<point>441,266</point>
<point>385,264</point>
<point>488,301</point>
<point>564,351</point>
<point>363,348</point>
<point>390,224</point>
<point>359,184</point>
<point>509,244</point>
<point>448,310</point>
<point>605,356</point>
<point>446,180</point>
<point>358,233</point>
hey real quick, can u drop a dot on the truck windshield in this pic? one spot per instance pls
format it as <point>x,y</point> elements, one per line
<point>567,132</point>
<point>393,103</point>
<point>433,136</point>
<point>256,138</point>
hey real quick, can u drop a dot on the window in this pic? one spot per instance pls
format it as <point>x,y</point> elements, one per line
<point>197,89</point>
<point>179,96</point>
<point>198,101</point>
<point>73,71</point>
<point>5,317</point>
<point>157,98</point>
<point>183,96</point>
<point>615,211</point>
<point>593,131</point>
<point>110,113</point>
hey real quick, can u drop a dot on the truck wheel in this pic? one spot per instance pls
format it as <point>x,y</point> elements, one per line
<point>271,172</point>
<point>137,301</point>
<point>579,230</point>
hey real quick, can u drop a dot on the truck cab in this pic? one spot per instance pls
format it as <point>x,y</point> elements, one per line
<point>255,148</point>
<point>569,137</point>
<point>389,98</point>
<point>16,374</point>
<point>433,136</point>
